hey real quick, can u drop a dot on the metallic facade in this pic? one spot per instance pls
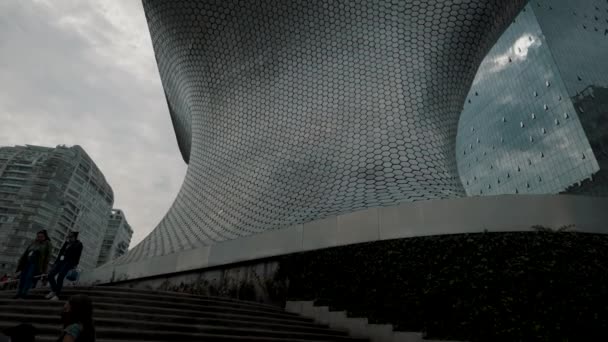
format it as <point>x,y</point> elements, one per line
<point>289,112</point>
<point>58,189</point>
<point>542,93</point>
<point>577,34</point>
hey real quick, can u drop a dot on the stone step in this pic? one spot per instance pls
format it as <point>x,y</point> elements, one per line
<point>108,303</point>
<point>167,293</point>
<point>158,298</point>
<point>206,334</point>
<point>181,324</point>
<point>48,338</point>
<point>356,326</point>
<point>155,316</point>
<point>160,314</point>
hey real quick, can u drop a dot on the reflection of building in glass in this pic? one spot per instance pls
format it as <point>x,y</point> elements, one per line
<point>58,189</point>
<point>117,239</point>
<point>534,120</point>
<point>592,107</point>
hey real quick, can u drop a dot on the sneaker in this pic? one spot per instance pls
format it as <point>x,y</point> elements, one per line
<point>50,295</point>
<point>54,298</point>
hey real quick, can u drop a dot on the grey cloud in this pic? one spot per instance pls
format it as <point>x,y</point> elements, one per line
<point>83,72</point>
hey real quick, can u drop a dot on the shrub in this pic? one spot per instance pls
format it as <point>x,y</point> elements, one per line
<point>532,286</point>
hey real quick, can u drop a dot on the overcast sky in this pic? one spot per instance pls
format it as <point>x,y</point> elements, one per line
<point>83,72</point>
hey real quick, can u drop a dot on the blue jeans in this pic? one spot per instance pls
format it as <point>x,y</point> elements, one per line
<point>59,271</point>
<point>26,279</point>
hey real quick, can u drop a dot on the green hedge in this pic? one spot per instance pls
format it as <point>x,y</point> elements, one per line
<point>534,286</point>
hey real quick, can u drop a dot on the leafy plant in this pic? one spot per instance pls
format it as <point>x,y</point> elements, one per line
<point>477,287</point>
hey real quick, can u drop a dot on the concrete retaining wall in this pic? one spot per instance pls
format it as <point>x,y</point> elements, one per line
<point>465,215</point>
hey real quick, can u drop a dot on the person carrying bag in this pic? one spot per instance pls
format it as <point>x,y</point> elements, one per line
<point>67,260</point>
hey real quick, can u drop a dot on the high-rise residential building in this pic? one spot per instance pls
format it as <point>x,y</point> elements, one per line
<point>535,118</point>
<point>117,239</point>
<point>58,189</point>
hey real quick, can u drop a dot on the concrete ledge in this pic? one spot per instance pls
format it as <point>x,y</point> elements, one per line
<point>506,213</point>
<point>356,327</point>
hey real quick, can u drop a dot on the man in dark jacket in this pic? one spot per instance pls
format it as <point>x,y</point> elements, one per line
<point>68,259</point>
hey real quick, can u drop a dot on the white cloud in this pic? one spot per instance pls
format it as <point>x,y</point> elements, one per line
<point>517,52</point>
<point>83,72</point>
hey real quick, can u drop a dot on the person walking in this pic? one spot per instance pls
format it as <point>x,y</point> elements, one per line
<point>33,262</point>
<point>77,319</point>
<point>68,259</point>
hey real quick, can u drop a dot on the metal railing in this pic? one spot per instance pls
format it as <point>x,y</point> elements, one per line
<point>16,280</point>
<point>11,284</point>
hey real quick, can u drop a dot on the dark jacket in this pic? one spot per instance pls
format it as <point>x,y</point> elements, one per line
<point>71,253</point>
<point>43,254</point>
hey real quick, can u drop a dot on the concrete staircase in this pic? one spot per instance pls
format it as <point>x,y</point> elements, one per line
<point>356,326</point>
<point>123,314</point>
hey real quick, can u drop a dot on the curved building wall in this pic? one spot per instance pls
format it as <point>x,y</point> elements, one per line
<point>183,132</point>
<point>542,92</point>
<point>577,34</point>
<point>302,110</point>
